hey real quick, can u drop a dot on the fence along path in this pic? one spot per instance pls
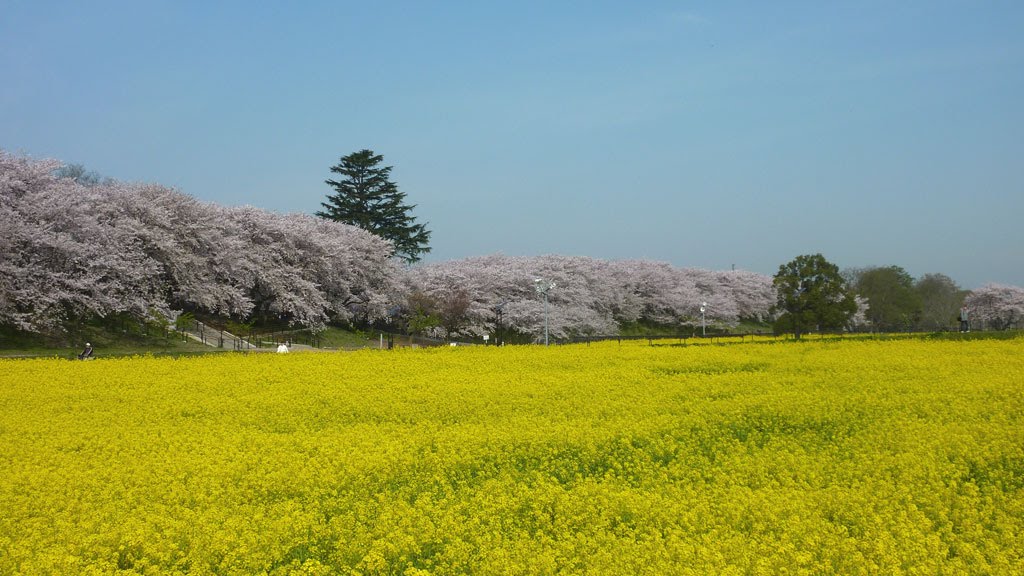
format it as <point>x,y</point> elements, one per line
<point>215,337</point>
<point>219,338</point>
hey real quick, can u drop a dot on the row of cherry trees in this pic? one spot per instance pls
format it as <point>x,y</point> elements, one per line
<point>70,252</point>
<point>590,296</point>
<point>73,251</point>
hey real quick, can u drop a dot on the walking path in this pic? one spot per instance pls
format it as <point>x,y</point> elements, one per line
<point>216,338</point>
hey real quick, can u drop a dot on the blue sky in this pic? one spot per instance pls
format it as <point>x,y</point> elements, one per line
<point>705,134</point>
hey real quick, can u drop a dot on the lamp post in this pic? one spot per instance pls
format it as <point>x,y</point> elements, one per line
<point>543,287</point>
<point>703,324</point>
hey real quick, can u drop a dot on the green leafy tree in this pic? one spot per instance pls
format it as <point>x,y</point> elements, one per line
<point>941,299</point>
<point>811,294</point>
<point>366,197</point>
<point>893,304</point>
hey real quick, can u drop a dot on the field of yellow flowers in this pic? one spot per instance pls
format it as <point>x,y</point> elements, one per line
<point>827,457</point>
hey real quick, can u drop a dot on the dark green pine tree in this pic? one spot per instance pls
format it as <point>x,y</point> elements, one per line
<point>366,197</point>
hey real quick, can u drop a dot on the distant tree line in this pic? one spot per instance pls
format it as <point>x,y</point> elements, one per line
<point>897,302</point>
<point>814,295</point>
<point>77,247</point>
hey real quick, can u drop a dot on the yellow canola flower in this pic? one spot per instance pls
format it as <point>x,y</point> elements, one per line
<point>853,456</point>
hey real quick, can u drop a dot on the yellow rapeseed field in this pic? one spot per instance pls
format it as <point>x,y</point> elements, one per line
<point>820,457</point>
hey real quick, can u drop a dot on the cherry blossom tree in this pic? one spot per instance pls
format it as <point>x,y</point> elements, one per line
<point>591,296</point>
<point>71,252</point>
<point>307,270</point>
<point>998,306</point>
<point>488,281</point>
<point>30,299</point>
<point>752,294</point>
<point>859,321</point>
<point>62,261</point>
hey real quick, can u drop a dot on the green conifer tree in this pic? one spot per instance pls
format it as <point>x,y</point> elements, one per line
<point>366,197</point>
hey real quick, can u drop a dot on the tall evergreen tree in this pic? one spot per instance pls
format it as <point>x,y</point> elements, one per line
<point>366,197</point>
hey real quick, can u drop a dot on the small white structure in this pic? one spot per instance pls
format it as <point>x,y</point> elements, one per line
<point>282,348</point>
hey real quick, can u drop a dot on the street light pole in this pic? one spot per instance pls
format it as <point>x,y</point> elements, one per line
<point>703,324</point>
<point>543,287</point>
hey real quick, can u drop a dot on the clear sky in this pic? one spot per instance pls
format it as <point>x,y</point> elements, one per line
<point>705,134</point>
